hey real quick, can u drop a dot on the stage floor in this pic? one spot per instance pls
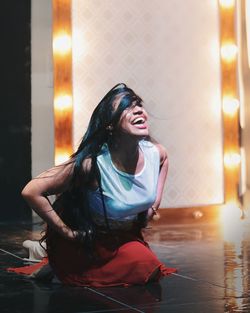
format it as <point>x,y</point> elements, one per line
<point>213,263</point>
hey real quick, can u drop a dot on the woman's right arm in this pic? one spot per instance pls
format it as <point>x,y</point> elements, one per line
<point>51,182</point>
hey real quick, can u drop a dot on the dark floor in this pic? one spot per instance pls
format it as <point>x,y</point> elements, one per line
<point>214,264</point>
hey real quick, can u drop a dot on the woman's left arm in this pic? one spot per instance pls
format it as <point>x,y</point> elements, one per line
<point>161,180</point>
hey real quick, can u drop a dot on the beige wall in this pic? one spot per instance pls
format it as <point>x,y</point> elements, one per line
<point>42,86</point>
<point>168,52</point>
<point>168,55</point>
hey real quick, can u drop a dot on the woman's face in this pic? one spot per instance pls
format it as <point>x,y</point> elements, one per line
<point>133,121</point>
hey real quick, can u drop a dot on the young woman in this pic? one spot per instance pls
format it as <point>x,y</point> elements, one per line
<point>108,190</point>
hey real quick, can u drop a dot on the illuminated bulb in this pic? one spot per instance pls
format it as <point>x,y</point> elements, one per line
<point>230,217</point>
<point>230,212</point>
<point>232,159</point>
<point>62,157</point>
<point>229,52</point>
<point>197,214</point>
<point>62,44</point>
<point>230,105</point>
<point>63,102</point>
<point>227,3</point>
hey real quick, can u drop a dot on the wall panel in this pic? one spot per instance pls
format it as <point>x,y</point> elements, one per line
<point>168,52</point>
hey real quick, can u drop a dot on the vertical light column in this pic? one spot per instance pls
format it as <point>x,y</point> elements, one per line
<point>230,104</point>
<point>62,57</point>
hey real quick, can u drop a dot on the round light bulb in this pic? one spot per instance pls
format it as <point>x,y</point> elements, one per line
<point>229,52</point>
<point>62,157</point>
<point>227,4</point>
<point>62,44</point>
<point>230,105</point>
<point>63,102</point>
<point>232,159</point>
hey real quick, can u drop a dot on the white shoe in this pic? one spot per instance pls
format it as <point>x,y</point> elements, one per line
<point>37,251</point>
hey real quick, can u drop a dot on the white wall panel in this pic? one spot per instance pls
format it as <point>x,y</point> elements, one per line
<point>168,52</point>
<point>42,86</point>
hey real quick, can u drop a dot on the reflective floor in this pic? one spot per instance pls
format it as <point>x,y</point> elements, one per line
<point>213,263</point>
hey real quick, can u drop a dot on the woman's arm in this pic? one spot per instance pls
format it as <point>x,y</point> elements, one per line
<point>162,175</point>
<point>51,182</point>
<point>161,179</point>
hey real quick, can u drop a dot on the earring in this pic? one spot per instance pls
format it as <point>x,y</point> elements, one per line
<point>110,130</point>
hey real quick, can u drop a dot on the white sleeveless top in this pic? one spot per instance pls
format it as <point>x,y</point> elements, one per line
<point>125,195</point>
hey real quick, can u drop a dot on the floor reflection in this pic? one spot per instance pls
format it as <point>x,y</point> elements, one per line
<point>216,258</point>
<point>74,299</point>
<point>236,267</point>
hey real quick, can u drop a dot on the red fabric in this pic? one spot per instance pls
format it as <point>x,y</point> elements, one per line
<point>29,269</point>
<point>119,259</point>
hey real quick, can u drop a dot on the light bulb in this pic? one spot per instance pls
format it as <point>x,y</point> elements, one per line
<point>230,105</point>
<point>227,4</point>
<point>229,52</point>
<point>62,44</point>
<point>62,157</point>
<point>63,102</point>
<point>232,159</point>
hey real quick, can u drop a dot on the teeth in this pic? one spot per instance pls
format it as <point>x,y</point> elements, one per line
<point>139,119</point>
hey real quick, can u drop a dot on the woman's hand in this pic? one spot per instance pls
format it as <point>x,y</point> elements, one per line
<point>150,214</point>
<point>153,213</point>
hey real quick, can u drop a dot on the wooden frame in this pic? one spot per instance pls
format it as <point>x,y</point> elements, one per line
<point>62,58</point>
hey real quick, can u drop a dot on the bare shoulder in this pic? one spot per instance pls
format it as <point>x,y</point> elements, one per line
<point>52,181</point>
<point>163,152</point>
<point>87,166</point>
<point>61,171</point>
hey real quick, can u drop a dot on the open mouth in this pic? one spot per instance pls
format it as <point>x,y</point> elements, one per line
<point>139,122</point>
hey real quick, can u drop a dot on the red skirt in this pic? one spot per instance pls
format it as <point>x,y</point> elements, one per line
<point>118,258</point>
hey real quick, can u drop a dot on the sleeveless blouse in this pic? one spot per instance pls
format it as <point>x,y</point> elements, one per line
<point>125,195</point>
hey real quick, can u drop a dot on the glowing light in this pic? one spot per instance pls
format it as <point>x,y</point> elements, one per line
<point>62,44</point>
<point>230,212</point>
<point>197,214</point>
<point>232,159</point>
<point>230,105</point>
<point>227,3</point>
<point>63,102</point>
<point>229,52</point>
<point>62,157</point>
<point>232,224</point>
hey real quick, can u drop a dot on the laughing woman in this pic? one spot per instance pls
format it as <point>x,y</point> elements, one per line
<point>108,190</point>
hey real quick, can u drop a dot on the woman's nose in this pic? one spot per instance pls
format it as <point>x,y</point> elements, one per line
<point>137,110</point>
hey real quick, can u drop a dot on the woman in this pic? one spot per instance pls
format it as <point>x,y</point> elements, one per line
<point>109,189</point>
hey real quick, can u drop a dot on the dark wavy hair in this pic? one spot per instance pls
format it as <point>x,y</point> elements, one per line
<point>102,118</point>
<point>98,132</point>
<point>72,205</point>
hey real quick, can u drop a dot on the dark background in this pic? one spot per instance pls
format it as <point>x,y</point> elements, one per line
<point>15,113</point>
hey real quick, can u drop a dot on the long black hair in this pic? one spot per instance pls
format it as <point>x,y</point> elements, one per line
<point>72,205</point>
<point>103,117</point>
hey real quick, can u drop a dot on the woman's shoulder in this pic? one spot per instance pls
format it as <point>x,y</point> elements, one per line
<point>147,144</point>
<point>162,151</point>
<point>87,165</point>
<point>159,148</point>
